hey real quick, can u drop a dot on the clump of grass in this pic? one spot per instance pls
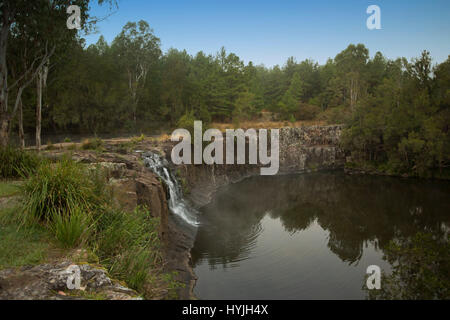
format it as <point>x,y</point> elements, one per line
<point>92,144</point>
<point>72,229</point>
<point>63,196</point>
<point>60,188</point>
<point>141,138</point>
<point>16,163</point>
<point>67,140</point>
<point>128,244</point>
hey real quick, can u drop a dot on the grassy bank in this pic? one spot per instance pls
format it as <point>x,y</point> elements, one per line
<point>61,207</point>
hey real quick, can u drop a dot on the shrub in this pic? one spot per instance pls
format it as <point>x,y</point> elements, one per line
<point>335,115</point>
<point>67,140</point>
<point>307,112</point>
<point>187,122</point>
<point>17,163</point>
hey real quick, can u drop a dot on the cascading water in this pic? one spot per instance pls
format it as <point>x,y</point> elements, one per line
<point>177,204</point>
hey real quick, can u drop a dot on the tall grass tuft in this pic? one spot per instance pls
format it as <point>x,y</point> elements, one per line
<point>16,163</point>
<point>58,188</point>
<point>71,230</point>
<point>128,244</point>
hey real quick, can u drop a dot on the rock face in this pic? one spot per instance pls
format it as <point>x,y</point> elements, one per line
<point>50,282</point>
<point>302,149</point>
<point>310,148</point>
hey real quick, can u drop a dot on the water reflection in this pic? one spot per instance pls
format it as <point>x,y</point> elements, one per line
<point>267,227</point>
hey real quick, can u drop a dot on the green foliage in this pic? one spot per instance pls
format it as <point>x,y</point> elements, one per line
<point>307,112</point>
<point>58,188</point>
<point>139,139</point>
<point>403,124</point>
<point>8,189</point>
<point>71,229</point>
<point>16,163</point>
<point>73,204</point>
<point>21,246</point>
<point>420,269</point>
<point>245,108</point>
<point>128,244</point>
<point>187,122</point>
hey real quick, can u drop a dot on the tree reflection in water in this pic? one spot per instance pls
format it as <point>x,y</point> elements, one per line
<point>354,210</point>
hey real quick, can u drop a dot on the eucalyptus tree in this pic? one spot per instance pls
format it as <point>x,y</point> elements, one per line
<point>137,50</point>
<point>35,29</point>
<point>351,64</point>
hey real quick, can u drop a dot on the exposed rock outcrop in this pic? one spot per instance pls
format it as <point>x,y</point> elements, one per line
<point>302,149</point>
<point>50,282</point>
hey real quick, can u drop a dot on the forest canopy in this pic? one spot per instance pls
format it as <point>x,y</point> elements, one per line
<point>396,112</point>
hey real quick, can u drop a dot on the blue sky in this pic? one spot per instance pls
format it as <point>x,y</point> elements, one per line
<point>268,32</point>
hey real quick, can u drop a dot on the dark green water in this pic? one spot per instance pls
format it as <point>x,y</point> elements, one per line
<point>309,236</point>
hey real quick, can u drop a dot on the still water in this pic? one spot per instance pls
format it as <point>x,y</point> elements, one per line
<point>309,236</point>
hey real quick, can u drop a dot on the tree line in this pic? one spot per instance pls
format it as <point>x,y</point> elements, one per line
<point>396,111</point>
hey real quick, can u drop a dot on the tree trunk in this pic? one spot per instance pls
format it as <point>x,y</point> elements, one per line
<point>39,110</point>
<point>21,133</point>
<point>4,130</point>
<point>4,117</point>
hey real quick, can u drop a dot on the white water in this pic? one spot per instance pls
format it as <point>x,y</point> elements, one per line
<point>177,204</point>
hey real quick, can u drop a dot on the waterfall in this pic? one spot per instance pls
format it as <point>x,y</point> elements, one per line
<point>177,204</point>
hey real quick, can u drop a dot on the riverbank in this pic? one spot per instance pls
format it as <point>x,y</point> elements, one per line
<point>367,168</point>
<point>133,185</point>
<point>107,247</point>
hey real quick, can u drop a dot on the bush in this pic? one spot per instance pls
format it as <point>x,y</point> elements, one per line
<point>187,122</point>
<point>58,188</point>
<point>307,112</point>
<point>292,119</point>
<point>17,163</point>
<point>335,115</point>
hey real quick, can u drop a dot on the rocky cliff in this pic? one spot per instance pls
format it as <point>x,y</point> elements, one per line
<point>303,149</point>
